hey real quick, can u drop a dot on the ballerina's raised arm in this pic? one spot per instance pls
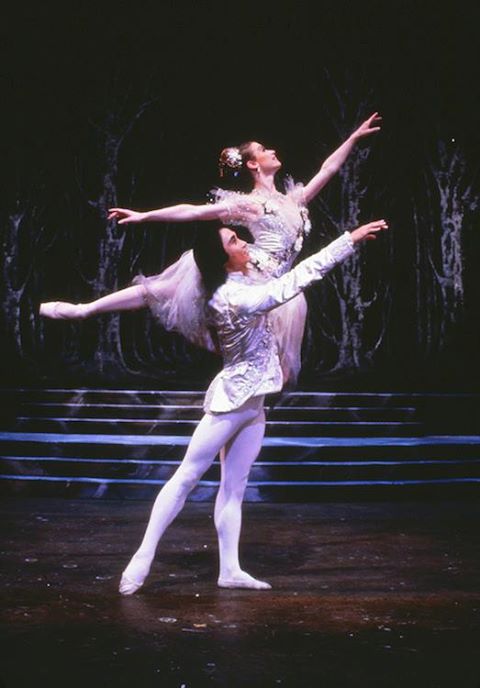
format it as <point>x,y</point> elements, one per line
<point>333,163</point>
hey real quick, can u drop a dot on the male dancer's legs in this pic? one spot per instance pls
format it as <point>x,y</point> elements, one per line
<point>236,461</point>
<point>211,434</point>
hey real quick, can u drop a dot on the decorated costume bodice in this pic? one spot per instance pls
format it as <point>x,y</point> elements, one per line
<point>239,313</point>
<point>277,222</point>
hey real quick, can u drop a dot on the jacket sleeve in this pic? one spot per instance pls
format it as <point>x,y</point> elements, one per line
<point>256,299</point>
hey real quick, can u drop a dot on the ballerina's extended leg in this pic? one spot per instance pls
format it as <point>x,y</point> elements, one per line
<point>129,299</point>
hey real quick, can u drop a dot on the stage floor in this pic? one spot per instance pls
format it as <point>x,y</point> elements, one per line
<point>369,594</point>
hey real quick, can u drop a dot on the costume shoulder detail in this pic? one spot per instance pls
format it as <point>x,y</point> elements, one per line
<point>295,190</point>
<point>239,208</point>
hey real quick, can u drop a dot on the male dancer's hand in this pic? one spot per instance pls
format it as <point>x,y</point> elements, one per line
<point>368,231</point>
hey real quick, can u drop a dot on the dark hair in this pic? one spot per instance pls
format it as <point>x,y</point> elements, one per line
<point>237,178</point>
<point>210,257</point>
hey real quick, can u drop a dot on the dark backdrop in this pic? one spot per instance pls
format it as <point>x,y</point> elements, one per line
<point>108,105</point>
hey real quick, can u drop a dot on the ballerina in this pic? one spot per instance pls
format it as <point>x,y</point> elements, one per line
<point>278,223</point>
<point>234,419</point>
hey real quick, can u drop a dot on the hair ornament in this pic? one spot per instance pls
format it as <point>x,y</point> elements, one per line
<point>232,158</point>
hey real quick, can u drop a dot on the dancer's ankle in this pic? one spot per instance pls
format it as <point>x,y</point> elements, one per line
<point>230,572</point>
<point>84,310</point>
<point>139,565</point>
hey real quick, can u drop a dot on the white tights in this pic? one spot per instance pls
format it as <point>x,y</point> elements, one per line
<point>238,436</point>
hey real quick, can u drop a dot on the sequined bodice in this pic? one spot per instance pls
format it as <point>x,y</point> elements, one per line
<point>279,228</point>
<point>244,338</point>
<point>248,347</point>
<point>278,224</point>
<point>239,312</point>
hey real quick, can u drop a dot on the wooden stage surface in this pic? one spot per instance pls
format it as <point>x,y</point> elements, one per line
<point>364,594</point>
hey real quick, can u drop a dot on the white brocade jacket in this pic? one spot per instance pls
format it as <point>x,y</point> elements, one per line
<point>239,310</point>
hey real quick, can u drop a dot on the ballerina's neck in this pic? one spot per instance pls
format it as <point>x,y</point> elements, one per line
<point>267,189</point>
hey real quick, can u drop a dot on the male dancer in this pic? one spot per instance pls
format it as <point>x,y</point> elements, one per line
<point>234,420</point>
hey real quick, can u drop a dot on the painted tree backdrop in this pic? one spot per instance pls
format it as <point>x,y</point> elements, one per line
<point>137,117</point>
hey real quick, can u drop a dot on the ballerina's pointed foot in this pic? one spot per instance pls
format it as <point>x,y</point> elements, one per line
<point>62,310</point>
<point>243,580</point>
<point>128,586</point>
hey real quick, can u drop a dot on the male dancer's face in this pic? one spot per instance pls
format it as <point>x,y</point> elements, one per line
<point>236,249</point>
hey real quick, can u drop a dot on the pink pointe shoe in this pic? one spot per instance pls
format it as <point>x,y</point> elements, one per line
<point>62,310</point>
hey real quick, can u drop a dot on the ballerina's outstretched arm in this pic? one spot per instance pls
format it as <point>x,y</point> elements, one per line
<point>334,161</point>
<point>184,212</point>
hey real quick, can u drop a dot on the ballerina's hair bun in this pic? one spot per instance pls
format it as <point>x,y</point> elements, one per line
<point>230,159</point>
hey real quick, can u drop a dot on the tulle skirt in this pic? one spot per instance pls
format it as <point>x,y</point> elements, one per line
<point>288,323</point>
<point>177,299</point>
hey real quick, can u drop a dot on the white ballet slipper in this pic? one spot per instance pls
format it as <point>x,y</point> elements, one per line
<point>244,581</point>
<point>128,586</point>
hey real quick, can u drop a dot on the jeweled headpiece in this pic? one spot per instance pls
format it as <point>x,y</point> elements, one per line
<point>231,158</point>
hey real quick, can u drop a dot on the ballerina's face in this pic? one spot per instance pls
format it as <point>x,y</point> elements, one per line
<point>236,249</point>
<point>263,158</point>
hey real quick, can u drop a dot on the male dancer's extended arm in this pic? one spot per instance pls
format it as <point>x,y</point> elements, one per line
<point>256,299</point>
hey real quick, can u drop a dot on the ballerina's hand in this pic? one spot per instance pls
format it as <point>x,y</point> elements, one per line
<point>368,231</point>
<point>123,215</point>
<point>370,126</point>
